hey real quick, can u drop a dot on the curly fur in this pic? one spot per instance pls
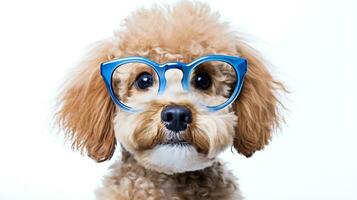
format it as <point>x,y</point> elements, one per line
<point>95,125</point>
<point>87,112</point>
<point>129,180</point>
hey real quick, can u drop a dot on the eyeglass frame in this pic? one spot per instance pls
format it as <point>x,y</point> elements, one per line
<point>239,65</point>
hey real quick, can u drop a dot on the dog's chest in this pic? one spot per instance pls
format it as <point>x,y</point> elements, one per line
<point>131,181</point>
<point>211,183</point>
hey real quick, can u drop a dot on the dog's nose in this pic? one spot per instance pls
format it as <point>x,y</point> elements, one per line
<point>176,117</point>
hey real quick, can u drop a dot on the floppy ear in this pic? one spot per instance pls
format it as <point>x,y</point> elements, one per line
<point>86,111</point>
<point>257,107</point>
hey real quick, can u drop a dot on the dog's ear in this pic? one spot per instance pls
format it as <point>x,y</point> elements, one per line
<point>257,107</point>
<point>86,111</point>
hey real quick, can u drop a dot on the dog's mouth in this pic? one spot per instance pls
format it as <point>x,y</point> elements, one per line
<point>174,138</point>
<point>176,142</point>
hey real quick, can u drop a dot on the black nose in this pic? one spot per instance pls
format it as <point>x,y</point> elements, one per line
<point>176,117</point>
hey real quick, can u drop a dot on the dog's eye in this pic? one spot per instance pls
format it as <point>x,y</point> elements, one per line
<point>144,80</point>
<point>202,81</point>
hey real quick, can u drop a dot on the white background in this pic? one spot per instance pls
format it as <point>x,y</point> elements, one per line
<point>311,44</point>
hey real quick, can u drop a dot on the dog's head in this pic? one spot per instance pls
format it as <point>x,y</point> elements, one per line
<point>172,133</point>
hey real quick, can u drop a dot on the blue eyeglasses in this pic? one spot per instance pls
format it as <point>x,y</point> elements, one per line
<point>214,81</point>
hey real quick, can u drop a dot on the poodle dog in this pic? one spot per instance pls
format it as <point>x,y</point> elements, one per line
<point>173,88</point>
